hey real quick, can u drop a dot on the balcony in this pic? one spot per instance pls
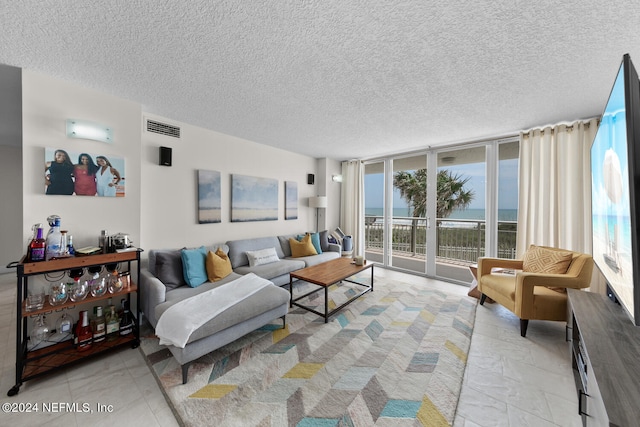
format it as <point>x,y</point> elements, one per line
<point>459,243</point>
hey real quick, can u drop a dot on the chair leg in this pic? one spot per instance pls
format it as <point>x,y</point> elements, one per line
<point>523,327</point>
<point>482,299</point>
<point>284,321</point>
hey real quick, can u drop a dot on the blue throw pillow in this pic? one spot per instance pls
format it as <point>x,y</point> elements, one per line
<point>315,239</point>
<point>194,266</point>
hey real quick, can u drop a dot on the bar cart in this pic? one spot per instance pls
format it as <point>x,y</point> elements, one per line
<point>32,363</point>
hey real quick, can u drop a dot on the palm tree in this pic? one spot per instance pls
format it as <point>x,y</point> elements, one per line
<point>451,193</point>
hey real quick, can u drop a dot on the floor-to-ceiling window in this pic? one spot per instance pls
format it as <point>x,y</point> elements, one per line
<point>374,211</point>
<point>461,211</point>
<point>436,212</point>
<point>508,155</point>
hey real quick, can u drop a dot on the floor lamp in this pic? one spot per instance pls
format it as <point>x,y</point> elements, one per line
<point>318,202</point>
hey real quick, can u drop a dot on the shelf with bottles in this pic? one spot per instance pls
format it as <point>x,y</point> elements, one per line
<point>66,353</point>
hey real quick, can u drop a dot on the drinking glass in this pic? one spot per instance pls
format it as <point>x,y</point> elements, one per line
<point>35,300</point>
<point>58,293</point>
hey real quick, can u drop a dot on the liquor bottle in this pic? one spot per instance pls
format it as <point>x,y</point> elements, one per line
<point>71,250</point>
<point>126,322</point>
<point>63,243</point>
<point>103,241</point>
<point>113,323</point>
<point>37,247</point>
<point>83,332</point>
<point>54,237</point>
<point>98,325</point>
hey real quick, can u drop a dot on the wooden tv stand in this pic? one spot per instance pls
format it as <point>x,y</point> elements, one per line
<point>605,354</point>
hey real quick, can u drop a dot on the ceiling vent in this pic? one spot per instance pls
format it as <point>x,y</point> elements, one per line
<point>163,129</point>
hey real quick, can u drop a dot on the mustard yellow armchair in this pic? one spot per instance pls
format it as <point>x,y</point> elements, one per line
<point>529,295</point>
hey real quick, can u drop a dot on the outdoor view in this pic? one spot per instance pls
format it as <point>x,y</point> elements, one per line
<point>460,208</point>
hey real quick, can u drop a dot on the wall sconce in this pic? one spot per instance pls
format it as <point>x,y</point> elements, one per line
<point>336,178</point>
<point>89,130</point>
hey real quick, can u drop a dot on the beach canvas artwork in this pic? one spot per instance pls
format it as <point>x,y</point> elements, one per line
<point>290,200</point>
<point>253,199</point>
<point>209,200</point>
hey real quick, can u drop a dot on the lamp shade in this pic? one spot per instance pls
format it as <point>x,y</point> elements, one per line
<point>318,202</point>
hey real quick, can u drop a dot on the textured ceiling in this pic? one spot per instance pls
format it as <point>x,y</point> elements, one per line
<point>335,78</point>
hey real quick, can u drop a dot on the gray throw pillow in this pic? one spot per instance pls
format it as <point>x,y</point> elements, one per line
<point>169,269</point>
<point>324,241</point>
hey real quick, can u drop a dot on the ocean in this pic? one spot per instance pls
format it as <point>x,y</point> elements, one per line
<point>503,214</point>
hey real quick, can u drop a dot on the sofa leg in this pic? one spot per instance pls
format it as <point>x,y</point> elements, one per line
<point>523,327</point>
<point>284,321</point>
<point>482,299</point>
<point>185,370</point>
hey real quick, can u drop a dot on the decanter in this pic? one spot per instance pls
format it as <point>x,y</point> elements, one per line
<point>40,332</point>
<point>64,328</point>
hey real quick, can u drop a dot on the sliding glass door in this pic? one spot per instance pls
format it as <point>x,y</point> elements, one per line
<point>436,212</point>
<point>461,211</point>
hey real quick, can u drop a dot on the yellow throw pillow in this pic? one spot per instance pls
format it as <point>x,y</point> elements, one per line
<point>218,265</point>
<point>541,260</point>
<point>302,248</point>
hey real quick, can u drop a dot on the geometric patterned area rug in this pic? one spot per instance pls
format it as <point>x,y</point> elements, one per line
<point>394,357</point>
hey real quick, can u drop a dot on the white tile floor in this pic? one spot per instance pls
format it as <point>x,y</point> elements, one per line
<point>509,381</point>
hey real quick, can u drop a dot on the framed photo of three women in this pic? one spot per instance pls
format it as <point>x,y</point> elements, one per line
<point>71,173</point>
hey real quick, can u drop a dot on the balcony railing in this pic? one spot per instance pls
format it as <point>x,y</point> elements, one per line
<point>457,240</point>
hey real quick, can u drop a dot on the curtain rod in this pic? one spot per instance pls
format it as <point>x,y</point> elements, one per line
<point>568,127</point>
<point>499,139</point>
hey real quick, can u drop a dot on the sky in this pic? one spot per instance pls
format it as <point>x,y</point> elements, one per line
<point>507,186</point>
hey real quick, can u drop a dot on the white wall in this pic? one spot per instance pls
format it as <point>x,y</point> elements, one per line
<point>47,104</point>
<point>169,194</point>
<point>159,209</point>
<point>329,218</point>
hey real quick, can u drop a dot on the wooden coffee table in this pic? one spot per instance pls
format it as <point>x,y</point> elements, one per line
<point>327,274</point>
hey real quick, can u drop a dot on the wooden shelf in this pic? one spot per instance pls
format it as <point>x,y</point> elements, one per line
<point>75,262</point>
<point>65,353</point>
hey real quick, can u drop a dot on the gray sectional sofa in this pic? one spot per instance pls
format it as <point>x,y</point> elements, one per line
<point>278,272</point>
<point>162,285</point>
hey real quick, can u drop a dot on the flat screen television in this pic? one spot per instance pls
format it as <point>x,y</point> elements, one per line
<point>615,183</point>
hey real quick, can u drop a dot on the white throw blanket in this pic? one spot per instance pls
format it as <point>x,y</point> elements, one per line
<point>179,321</point>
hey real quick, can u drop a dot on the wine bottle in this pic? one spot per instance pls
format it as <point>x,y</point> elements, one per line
<point>113,323</point>
<point>126,322</point>
<point>37,247</point>
<point>98,325</point>
<point>84,334</point>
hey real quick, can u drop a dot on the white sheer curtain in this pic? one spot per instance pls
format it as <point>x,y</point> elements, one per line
<point>352,203</point>
<point>555,187</point>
